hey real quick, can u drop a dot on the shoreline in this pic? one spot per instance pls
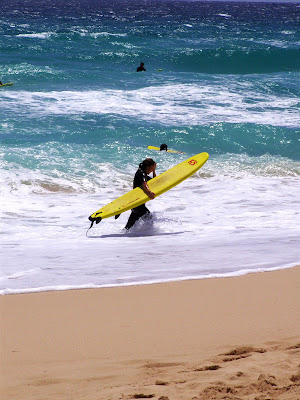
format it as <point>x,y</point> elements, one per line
<point>6,292</point>
<point>167,339</point>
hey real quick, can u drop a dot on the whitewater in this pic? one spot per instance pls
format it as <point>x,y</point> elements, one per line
<point>221,78</point>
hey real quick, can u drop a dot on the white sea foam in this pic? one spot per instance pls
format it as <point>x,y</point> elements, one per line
<point>225,224</point>
<point>19,274</point>
<point>40,35</point>
<point>276,43</point>
<point>97,34</point>
<point>148,282</point>
<point>29,69</point>
<point>288,32</point>
<point>167,104</point>
<point>81,32</point>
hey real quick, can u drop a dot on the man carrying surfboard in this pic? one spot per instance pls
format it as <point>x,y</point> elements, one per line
<point>141,178</point>
<point>144,191</point>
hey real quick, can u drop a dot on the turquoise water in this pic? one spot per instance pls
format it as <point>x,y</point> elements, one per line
<point>221,78</point>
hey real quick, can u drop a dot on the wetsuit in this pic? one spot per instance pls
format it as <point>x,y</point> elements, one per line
<point>138,212</point>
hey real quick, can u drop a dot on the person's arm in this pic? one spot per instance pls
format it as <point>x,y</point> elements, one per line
<point>147,190</point>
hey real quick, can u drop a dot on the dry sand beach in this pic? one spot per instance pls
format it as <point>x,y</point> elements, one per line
<point>232,338</point>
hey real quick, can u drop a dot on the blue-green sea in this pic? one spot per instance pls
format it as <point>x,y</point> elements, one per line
<point>221,77</point>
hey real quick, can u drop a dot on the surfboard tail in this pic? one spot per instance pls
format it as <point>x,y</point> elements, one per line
<point>92,219</point>
<point>97,220</point>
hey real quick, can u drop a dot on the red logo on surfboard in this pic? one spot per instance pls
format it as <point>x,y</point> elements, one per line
<point>192,162</point>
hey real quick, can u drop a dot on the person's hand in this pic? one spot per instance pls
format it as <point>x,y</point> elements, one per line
<point>151,195</point>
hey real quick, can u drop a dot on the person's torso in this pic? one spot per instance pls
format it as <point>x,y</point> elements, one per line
<point>139,178</point>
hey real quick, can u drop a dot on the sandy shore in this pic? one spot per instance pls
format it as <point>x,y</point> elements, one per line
<point>232,338</point>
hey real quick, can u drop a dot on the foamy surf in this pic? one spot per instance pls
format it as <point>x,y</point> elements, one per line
<point>167,105</point>
<point>198,229</point>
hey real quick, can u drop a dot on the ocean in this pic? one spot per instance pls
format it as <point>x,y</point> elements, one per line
<point>221,77</point>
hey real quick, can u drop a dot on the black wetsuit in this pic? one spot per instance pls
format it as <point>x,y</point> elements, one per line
<point>138,212</point>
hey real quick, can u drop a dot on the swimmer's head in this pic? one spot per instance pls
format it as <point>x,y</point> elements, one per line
<point>163,147</point>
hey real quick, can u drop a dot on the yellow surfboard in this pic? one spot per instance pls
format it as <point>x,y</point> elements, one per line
<point>158,185</point>
<point>168,151</point>
<point>7,84</point>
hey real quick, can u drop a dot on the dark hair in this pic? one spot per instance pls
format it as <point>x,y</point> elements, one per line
<point>146,163</point>
<point>163,147</point>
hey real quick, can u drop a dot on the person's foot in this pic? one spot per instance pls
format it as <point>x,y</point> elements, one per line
<point>147,216</point>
